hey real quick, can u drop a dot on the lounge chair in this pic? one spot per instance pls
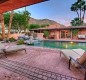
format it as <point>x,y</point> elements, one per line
<point>9,49</point>
<point>76,57</point>
<point>1,47</point>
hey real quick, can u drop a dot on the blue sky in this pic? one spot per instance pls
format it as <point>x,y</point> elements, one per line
<point>57,10</point>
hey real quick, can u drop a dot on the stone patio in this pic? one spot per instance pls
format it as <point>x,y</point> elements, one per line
<point>44,59</point>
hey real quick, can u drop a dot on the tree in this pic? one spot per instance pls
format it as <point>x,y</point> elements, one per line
<point>75,32</point>
<point>79,7</point>
<point>27,15</point>
<point>2,24</point>
<point>19,21</point>
<point>44,25</point>
<point>46,34</point>
<point>10,23</point>
<point>76,22</point>
<point>34,26</point>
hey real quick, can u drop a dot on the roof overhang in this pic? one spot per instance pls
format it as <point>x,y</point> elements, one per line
<point>8,5</point>
<point>61,28</point>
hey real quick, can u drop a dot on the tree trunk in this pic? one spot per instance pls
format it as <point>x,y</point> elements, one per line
<point>77,13</point>
<point>80,14</point>
<point>83,15</point>
<point>10,23</point>
<point>3,26</point>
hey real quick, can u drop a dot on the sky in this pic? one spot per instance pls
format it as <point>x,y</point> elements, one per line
<point>57,10</point>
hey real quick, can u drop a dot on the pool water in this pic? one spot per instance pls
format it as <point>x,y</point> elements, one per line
<point>61,45</point>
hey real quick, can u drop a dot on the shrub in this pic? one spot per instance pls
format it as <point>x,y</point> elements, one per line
<point>12,39</point>
<point>46,33</point>
<point>20,42</point>
<point>75,32</point>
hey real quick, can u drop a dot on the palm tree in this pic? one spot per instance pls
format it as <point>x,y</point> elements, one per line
<point>75,8</point>
<point>79,7</point>
<point>84,9</point>
<point>2,24</point>
<point>76,22</point>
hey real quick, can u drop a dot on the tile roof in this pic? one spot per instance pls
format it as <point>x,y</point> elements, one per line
<point>61,28</point>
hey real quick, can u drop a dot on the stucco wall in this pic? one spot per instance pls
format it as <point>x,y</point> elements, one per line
<point>57,34</point>
<point>40,35</point>
<point>82,31</point>
<point>15,35</point>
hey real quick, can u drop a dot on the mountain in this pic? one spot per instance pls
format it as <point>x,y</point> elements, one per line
<point>43,21</point>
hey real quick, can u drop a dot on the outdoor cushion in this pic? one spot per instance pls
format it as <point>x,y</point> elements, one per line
<point>76,54</point>
<point>79,51</point>
<point>1,51</point>
<point>69,52</point>
<point>82,59</point>
<point>2,46</point>
<point>15,48</point>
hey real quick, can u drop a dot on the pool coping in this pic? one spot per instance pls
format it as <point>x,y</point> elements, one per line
<point>62,40</point>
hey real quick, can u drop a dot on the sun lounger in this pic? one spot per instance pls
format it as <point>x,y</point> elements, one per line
<point>4,49</point>
<point>14,48</point>
<point>76,57</point>
<point>1,48</point>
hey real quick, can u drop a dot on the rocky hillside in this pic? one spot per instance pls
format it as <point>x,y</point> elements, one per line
<point>43,21</point>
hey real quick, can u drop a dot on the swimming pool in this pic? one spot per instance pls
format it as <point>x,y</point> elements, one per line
<point>61,45</point>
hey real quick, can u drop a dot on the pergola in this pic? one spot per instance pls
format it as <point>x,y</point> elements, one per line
<point>8,5</point>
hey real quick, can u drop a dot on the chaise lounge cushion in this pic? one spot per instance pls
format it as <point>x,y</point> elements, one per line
<point>76,54</point>
<point>1,47</point>
<point>79,51</point>
<point>82,59</point>
<point>68,52</point>
<point>15,48</point>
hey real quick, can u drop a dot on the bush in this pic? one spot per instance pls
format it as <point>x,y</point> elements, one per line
<point>12,39</point>
<point>46,33</point>
<point>20,42</point>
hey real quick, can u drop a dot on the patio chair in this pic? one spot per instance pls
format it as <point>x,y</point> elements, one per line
<point>14,48</point>
<point>1,47</point>
<point>76,57</point>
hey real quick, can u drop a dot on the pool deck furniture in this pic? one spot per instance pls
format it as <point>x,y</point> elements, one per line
<point>81,36</point>
<point>72,55</point>
<point>14,48</point>
<point>5,49</point>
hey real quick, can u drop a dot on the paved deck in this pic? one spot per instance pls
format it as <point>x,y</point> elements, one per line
<point>43,59</point>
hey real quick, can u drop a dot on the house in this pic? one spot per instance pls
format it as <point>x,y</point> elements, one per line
<point>62,32</point>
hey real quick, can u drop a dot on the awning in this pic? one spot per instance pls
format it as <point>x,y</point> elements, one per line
<point>8,5</point>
